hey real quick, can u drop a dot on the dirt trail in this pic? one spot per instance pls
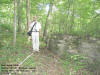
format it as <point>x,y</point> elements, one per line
<point>49,64</point>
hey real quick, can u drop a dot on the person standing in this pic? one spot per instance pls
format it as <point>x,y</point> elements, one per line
<point>36,32</point>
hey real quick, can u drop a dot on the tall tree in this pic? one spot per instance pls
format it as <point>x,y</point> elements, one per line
<point>19,7</point>
<point>15,5</point>
<point>28,12</point>
<point>72,16</point>
<point>46,23</point>
<point>68,16</point>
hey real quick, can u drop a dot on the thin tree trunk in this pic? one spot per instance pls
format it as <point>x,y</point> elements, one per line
<point>72,17</point>
<point>67,24</point>
<point>19,14</point>
<point>46,23</point>
<point>14,40</point>
<point>28,12</point>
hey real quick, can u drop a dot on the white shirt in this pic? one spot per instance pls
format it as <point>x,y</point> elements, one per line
<point>37,26</point>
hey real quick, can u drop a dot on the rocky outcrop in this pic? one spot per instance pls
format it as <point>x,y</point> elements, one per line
<point>62,44</point>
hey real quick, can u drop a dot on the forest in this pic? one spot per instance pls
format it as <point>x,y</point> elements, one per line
<point>69,41</point>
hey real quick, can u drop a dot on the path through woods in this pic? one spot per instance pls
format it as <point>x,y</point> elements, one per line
<point>49,64</point>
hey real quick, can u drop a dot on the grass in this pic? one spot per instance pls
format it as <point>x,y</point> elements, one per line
<point>74,64</point>
<point>15,55</point>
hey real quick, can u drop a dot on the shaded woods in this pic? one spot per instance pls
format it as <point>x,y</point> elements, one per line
<point>65,24</point>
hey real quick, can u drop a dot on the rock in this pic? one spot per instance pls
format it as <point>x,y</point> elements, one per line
<point>63,44</point>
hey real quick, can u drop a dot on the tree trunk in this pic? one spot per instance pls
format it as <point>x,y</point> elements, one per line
<point>19,14</point>
<point>67,24</point>
<point>46,23</point>
<point>14,40</point>
<point>72,17</point>
<point>28,12</point>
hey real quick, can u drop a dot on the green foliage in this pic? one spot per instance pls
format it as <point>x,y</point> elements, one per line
<point>74,63</point>
<point>76,22</point>
<point>6,28</point>
<point>95,27</point>
<point>5,1</point>
<point>7,51</point>
<point>44,73</point>
<point>74,17</point>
